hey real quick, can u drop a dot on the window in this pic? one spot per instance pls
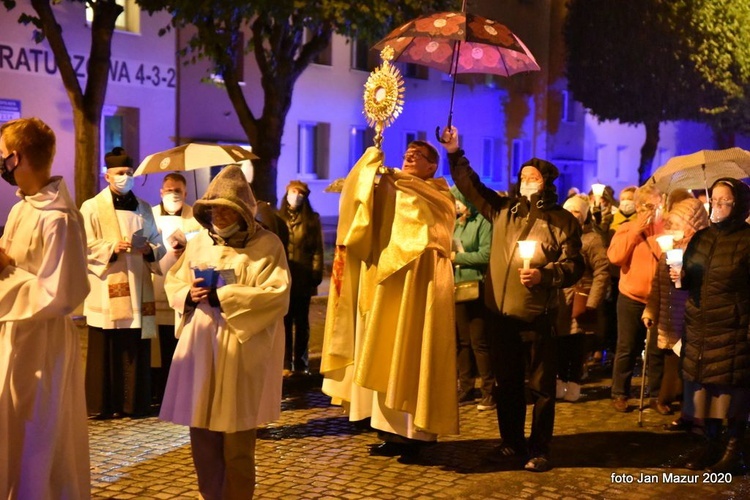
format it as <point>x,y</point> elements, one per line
<point>119,127</point>
<point>129,20</point>
<point>416,71</point>
<point>622,159</point>
<point>325,57</point>
<point>516,158</point>
<point>362,57</point>
<point>568,107</point>
<point>360,139</point>
<point>411,136</point>
<point>313,150</point>
<point>488,157</point>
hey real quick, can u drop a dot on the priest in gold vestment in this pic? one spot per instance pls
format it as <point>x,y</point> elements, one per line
<point>389,350</point>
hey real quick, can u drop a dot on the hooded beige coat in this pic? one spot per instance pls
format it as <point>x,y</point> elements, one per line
<point>226,370</point>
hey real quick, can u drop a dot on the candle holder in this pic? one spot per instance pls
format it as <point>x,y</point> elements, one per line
<point>526,249</point>
<point>598,189</point>
<point>674,260</point>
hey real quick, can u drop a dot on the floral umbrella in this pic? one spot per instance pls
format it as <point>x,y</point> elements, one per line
<point>457,42</point>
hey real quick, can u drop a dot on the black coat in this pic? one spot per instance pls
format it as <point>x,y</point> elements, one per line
<point>558,254</point>
<point>717,318</point>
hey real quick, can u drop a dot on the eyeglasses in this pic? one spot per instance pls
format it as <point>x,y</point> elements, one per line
<point>722,203</point>
<point>413,155</point>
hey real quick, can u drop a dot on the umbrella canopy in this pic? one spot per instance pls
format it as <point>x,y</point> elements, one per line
<point>456,42</point>
<point>193,156</point>
<point>459,42</point>
<point>701,169</point>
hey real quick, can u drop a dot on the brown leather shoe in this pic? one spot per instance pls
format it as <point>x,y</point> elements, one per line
<point>620,403</point>
<point>660,407</point>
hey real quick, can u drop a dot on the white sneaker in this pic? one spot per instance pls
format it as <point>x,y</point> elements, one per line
<point>573,393</point>
<point>561,389</point>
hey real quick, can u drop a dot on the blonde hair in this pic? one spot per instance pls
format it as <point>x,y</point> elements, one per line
<point>33,139</point>
<point>645,193</point>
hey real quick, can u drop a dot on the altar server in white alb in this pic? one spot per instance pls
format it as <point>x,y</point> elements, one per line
<point>175,221</point>
<point>43,436</point>
<point>225,378</point>
<point>124,250</point>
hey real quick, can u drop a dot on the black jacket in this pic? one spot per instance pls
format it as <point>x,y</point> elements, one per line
<point>558,256</point>
<point>717,317</point>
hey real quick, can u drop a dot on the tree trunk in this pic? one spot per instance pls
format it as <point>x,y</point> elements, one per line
<point>86,156</point>
<point>648,151</point>
<point>723,138</point>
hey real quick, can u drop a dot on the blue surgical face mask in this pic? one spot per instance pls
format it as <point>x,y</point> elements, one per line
<point>123,183</point>
<point>228,231</point>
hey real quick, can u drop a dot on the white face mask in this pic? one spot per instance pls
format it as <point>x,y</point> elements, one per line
<point>530,188</point>
<point>294,200</point>
<point>172,202</point>
<point>627,207</point>
<point>123,183</point>
<point>228,231</point>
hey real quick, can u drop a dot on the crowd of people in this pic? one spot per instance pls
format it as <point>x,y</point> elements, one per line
<point>433,304</point>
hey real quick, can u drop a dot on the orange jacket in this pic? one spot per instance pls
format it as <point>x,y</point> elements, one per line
<point>637,254</point>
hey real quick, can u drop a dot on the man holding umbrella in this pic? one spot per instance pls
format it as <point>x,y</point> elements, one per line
<point>523,302</point>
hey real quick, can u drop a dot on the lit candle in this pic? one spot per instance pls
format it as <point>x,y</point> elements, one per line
<point>674,260</point>
<point>526,248</point>
<point>666,242</point>
<point>598,189</point>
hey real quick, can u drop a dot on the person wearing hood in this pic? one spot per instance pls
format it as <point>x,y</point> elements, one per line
<point>715,272</point>
<point>472,236</point>
<point>230,289</point>
<point>634,249</point>
<point>174,219</point>
<point>124,249</point>
<point>305,251</point>
<point>574,322</point>
<point>523,301</point>
<point>44,450</point>
<point>665,309</point>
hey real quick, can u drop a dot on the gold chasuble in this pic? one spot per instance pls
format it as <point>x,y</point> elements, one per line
<point>389,348</point>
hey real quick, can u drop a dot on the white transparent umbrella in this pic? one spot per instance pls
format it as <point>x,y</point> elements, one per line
<point>193,156</point>
<point>701,169</point>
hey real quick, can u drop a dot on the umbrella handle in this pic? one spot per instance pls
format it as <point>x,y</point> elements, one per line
<point>437,135</point>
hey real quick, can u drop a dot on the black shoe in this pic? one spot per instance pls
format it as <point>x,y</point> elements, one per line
<point>390,449</point>
<point>466,398</point>
<point>505,453</point>
<point>732,462</point>
<point>539,463</point>
<point>102,416</point>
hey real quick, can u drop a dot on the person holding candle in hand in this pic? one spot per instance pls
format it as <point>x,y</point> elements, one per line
<point>716,343</point>
<point>665,308</point>
<point>522,302</point>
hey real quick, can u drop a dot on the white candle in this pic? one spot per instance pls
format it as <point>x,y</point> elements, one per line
<point>674,260</point>
<point>526,248</point>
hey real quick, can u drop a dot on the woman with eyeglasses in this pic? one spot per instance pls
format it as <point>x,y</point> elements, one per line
<point>716,343</point>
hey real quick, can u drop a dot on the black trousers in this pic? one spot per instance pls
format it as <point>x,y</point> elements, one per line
<point>518,348</point>
<point>571,355</point>
<point>118,372</point>
<point>167,345</point>
<point>473,347</point>
<point>297,327</point>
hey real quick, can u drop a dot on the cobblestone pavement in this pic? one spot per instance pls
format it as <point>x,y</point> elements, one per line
<point>314,452</point>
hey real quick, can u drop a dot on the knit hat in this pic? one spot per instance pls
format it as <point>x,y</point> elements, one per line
<point>692,212</point>
<point>579,203</point>
<point>549,174</point>
<point>229,189</point>
<point>301,186</point>
<point>118,158</point>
